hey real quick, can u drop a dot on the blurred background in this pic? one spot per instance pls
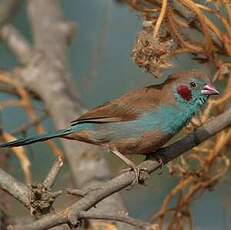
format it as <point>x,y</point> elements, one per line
<point>102,69</point>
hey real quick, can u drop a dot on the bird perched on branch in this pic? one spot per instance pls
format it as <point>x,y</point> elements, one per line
<point>140,121</point>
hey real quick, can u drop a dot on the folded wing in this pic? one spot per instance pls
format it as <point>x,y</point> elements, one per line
<point>126,108</point>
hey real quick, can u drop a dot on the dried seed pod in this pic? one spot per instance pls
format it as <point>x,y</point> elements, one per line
<point>152,54</point>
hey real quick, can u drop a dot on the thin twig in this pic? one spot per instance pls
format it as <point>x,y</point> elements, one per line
<point>22,156</point>
<point>17,44</point>
<point>76,192</point>
<point>24,127</point>
<point>124,219</point>
<point>10,89</point>
<point>7,10</point>
<point>52,175</point>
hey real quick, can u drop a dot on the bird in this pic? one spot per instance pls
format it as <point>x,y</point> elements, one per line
<point>140,121</point>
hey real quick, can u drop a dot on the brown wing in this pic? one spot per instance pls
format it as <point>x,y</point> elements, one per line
<point>132,104</point>
<point>125,108</point>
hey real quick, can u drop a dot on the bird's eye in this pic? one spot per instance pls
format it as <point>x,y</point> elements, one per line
<point>193,84</point>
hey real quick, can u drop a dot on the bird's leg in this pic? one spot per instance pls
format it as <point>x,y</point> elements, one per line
<point>159,159</point>
<point>129,163</point>
<point>161,163</point>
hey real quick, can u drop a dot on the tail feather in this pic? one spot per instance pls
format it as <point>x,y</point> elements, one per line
<point>37,138</point>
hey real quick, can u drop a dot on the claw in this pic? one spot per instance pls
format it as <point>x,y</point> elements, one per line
<point>159,159</point>
<point>139,176</point>
<point>161,164</point>
<point>138,179</point>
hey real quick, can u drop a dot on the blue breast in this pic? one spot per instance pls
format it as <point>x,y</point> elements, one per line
<point>167,119</point>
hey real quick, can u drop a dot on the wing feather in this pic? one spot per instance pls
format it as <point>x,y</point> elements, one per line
<point>126,108</point>
<point>131,105</point>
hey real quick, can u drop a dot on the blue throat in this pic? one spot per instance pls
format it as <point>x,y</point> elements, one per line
<point>180,115</point>
<point>168,119</point>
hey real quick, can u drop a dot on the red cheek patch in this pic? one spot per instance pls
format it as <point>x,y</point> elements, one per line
<point>184,92</point>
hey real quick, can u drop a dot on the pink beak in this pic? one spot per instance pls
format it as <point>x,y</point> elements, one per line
<point>209,89</point>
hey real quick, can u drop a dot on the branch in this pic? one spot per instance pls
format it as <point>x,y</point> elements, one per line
<point>119,218</point>
<point>37,198</point>
<point>71,215</point>
<point>14,40</point>
<point>15,188</point>
<point>10,89</point>
<point>7,9</point>
<point>24,127</point>
<point>16,43</point>
<point>52,175</point>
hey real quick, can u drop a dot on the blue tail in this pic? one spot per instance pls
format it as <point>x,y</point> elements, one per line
<point>38,138</point>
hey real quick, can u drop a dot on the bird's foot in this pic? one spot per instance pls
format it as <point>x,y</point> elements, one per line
<point>159,159</point>
<point>133,167</point>
<point>138,175</point>
<point>161,163</point>
<point>141,174</point>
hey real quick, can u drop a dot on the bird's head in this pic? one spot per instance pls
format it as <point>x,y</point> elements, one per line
<point>193,88</point>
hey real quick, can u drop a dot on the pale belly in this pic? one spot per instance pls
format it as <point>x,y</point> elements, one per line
<point>145,144</point>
